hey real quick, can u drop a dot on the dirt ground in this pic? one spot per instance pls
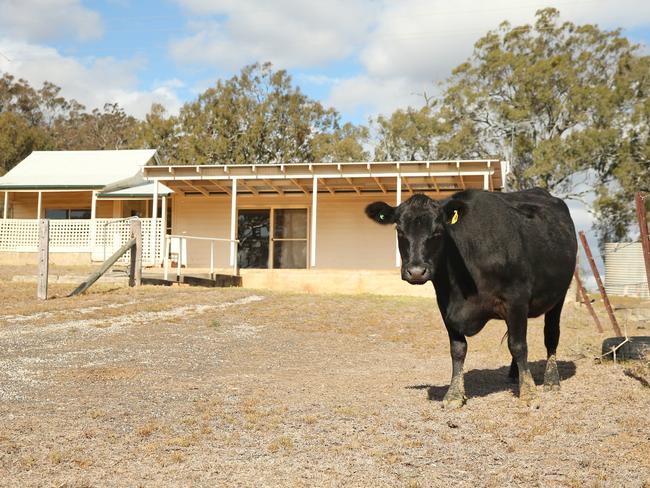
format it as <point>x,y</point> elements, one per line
<point>229,387</point>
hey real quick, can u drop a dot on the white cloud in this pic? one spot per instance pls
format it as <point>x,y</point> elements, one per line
<point>48,19</point>
<point>93,82</point>
<point>416,43</point>
<point>289,33</point>
<point>376,95</point>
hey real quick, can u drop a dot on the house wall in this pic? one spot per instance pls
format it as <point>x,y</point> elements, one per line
<point>346,238</point>
<point>24,205</point>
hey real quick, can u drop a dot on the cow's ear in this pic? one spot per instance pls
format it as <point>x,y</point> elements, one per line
<point>381,213</point>
<point>454,211</point>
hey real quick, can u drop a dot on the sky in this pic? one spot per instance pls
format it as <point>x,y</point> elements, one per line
<point>363,57</point>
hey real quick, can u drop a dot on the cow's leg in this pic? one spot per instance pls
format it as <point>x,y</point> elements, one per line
<point>517,327</point>
<point>551,339</point>
<point>513,374</point>
<point>455,397</point>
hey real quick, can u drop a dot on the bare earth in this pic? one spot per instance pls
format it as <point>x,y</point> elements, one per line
<point>229,387</point>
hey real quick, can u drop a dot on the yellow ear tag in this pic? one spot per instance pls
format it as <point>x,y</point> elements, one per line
<point>454,219</point>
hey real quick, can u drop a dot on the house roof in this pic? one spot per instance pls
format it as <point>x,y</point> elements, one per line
<point>76,169</point>
<point>437,178</point>
<point>142,191</point>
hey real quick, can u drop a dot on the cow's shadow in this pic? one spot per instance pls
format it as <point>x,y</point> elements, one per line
<point>483,382</point>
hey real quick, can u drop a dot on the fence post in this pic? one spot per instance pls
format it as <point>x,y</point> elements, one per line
<point>135,270</point>
<point>585,299</point>
<point>601,288</point>
<point>643,228</point>
<point>43,258</point>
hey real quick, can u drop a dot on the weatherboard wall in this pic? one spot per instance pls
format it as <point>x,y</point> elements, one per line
<point>346,238</point>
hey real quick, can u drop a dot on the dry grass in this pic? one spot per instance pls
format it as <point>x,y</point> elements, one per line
<point>199,387</point>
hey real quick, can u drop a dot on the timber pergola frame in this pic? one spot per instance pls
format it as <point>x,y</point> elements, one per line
<point>439,179</point>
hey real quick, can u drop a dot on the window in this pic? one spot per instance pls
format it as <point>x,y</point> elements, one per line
<point>66,213</point>
<point>290,238</point>
<point>272,238</point>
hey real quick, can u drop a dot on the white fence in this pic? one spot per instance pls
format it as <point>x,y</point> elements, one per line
<point>101,237</point>
<point>625,270</point>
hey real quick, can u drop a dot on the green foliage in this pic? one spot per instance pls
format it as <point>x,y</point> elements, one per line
<point>42,119</point>
<point>564,103</point>
<point>258,117</point>
<point>255,117</point>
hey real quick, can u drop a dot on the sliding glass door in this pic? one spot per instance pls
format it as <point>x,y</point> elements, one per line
<point>253,232</point>
<point>272,238</point>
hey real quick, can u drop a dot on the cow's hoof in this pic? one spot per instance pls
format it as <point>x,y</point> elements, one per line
<point>551,375</point>
<point>528,391</point>
<point>454,399</point>
<point>453,403</point>
<point>532,402</point>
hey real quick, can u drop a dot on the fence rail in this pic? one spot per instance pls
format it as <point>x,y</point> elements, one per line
<point>101,237</point>
<point>181,243</point>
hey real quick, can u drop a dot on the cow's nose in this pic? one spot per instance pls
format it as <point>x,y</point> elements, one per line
<point>416,272</point>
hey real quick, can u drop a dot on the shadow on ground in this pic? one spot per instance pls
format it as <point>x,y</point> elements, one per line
<point>483,382</point>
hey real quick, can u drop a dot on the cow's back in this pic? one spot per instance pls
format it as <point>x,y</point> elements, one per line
<point>518,242</point>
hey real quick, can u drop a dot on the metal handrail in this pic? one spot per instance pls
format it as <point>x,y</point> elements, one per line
<point>183,239</point>
<point>110,222</point>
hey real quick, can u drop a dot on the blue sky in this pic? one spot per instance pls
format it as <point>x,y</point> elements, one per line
<point>363,57</point>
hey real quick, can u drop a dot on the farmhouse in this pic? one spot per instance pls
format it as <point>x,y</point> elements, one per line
<point>296,226</point>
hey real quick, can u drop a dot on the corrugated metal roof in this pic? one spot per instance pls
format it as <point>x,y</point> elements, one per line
<point>625,270</point>
<point>75,169</point>
<point>145,190</point>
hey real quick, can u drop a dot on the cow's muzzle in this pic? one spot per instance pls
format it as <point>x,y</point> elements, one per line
<point>416,275</point>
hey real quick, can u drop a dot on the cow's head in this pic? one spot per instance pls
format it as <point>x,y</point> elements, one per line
<point>421,225</point>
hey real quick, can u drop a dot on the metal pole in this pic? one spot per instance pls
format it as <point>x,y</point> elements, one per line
<point>235,267</point>
<point>314,208</point>
<point>168,243</point>
<point>398,200</point>
<point>180,258</point>
<point>233,221</point>
<point>154,217</point>
<point>43,257</point>
<point>211,259</point>
<point>163,226</point>
<point>40,205</point>
<point>643,227</point>
<point>585,299</point>
<point>601,288</point>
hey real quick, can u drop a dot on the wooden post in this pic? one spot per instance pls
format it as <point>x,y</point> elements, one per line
<point>93,223</point>
<point>135,270</point>
<point>643,228</point>
<point>601,288</point>
<point>211,260</point>
<point>43,258</point>
<point>39,205</point>
<point>154,217</point>
<point>103,268</point>
<point>163,230</point>
<point>398,200</point>
<point>233,222</point>
<point>585,299</point>
<point>314,214</point>
<point>5,210</point>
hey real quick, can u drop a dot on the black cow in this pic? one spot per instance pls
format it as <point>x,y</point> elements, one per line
<point>505,256</point>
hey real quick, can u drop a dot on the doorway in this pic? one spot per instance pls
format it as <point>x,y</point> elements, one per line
<point>272,238</point>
